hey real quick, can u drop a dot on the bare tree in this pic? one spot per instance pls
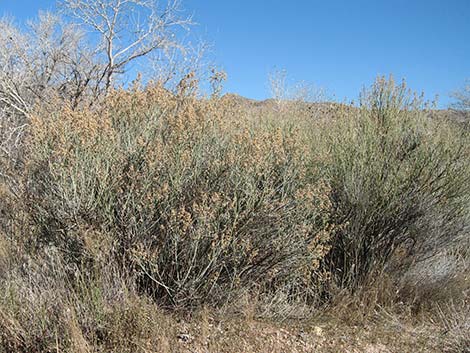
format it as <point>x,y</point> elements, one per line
<point>291,96</point>
<point>77,62</point>
<point>13,49</point>
<point>48,60</point>
<point>168,67</point>
<point>277,80</point>
<point>128,29</point>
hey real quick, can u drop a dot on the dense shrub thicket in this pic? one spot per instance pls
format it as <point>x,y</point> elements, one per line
<point>189,205</point>
<point>183,202</point>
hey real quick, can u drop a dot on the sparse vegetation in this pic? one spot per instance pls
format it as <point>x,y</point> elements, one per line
<point>462,98</point>
<point>143,219</point>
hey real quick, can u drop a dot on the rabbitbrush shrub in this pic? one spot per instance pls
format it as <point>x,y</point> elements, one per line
<point>191,204</point>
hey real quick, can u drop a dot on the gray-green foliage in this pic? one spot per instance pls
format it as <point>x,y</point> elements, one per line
<point>189,208</point>
<point>398,178</point>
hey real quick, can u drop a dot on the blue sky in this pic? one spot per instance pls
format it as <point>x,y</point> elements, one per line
<point>340,45</point>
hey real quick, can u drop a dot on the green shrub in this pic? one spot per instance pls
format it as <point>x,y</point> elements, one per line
<point>398,179</point>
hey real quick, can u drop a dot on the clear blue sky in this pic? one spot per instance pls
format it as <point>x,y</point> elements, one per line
<point>340,45</point>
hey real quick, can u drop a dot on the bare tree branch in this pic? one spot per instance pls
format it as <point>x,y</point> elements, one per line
<point>128,29</point>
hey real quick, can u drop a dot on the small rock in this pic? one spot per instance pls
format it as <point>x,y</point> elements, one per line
<point>184,337</point>
<point>302,336</point>
<point>318,331</point>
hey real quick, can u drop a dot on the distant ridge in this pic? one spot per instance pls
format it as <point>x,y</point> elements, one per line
<point>322,108</point>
